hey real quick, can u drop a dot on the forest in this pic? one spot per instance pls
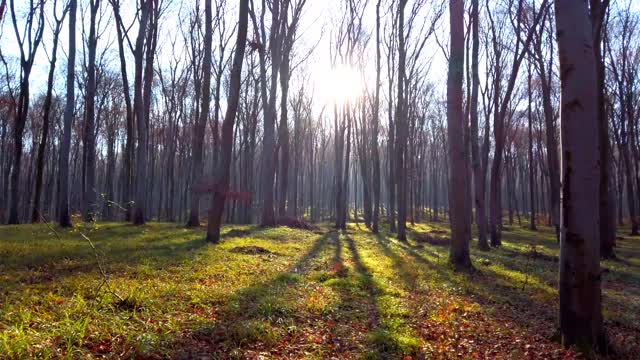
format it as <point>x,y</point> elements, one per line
<point>306,179</point>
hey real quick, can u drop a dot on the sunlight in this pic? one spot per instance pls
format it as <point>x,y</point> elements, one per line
<point>341,84</point>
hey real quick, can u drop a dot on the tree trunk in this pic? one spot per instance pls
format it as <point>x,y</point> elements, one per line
<point>141,118</point>
<point>607,222</point>
<point>46,114</point>
<point>218,198</point>
<point>476,162</point>
<point>532,202</point>
<point>458,199</point>
<point>579,287</point>
<point>64,218</point>
<point>88,140</point>
<point>401,130</point>
<point>201,122</point>
<point>283,135</point>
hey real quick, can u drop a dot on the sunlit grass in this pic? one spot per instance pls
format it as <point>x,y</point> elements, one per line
<point>325,293</point>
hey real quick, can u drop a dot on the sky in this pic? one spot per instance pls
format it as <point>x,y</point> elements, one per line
<point>316,29</point>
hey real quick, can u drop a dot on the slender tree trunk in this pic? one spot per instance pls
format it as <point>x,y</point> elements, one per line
<point>141,118</point>
<point>64,218</point>
<point>532,204</point>
<point>401,130</point>
<point>201,122</point>
<point>375,152</point>
<point>476,162</point>
<point>268,142</point>
<point>218,199</point>
<point>89,145</point>
<point>46,114</point>
<point>283,132</point>
<point>127,162</point>
<point>607,222</point>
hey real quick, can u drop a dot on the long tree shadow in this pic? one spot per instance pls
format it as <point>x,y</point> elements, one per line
<point>256,316</point>
<point>407,274</point>
<point>487,286</point>
<point>46,263</point>
<point>390,335</point>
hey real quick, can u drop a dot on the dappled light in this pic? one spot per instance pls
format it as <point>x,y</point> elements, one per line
<point>328,293</point>
<point>308,179</point>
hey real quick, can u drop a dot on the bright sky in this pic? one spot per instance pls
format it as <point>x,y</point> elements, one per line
<point>316,28</point>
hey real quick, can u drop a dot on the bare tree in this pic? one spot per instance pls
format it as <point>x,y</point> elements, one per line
<point>476,161</point>
<point>501,103</point>
<point>127,164</point>
<point>64,218</point>
<point>222,184</point>
<point>200,123</point>
<point>289,30</point>
<point>401,129</point>
<point>28,42</point>
<point>46,112</point>
<point>89,150</point>
<point>375,152</point>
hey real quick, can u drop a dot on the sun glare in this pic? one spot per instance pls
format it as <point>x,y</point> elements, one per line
<point>341,84</point>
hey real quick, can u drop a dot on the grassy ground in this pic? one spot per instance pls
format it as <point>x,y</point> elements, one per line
<point>284,293</point>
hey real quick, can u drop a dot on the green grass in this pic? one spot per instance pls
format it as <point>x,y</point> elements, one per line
<point>344,294</point>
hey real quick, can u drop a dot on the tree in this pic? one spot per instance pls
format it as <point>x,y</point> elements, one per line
<point>476,161</point>
<point>532,200</point>
<point>46,113</point>
<point>623,73</point>
<point>376,125</point>
<point>401,129</point>
<point>607,221</point>
<point>200,123</point>
<point>458,199</point>
<point>579,287</point>
<point>64,218</point>
<point>222,184</point>
<point>127,164</point>
<point>501,102</point>
<point>289,31</point>
<point>29,42</point>
<point>144,51</point>
<point>89,138</point>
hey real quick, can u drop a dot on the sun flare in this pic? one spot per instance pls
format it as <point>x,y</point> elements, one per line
<point>341,84</point>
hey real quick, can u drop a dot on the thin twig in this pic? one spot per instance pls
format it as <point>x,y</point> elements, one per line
<point>105,276</point>
<point>49,226</point>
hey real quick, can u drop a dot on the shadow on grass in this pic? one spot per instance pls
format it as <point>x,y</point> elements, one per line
<point>488,286</point>
<point>254,317</point>
<point>120,248</point>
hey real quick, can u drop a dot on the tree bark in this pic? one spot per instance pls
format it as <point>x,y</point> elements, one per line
<point>401,130</point>
<point>201,122</point>
<point>33,39</point>
<point>375,152</point>
<point>579,287</point>
<point>532,202</point>
<point>607,222</point>
<point>127,162</point>
<point>64,218</point>
<point>458,199</point>
<point>476,162</point>
<point>88,139</point>
<point>46,114</point>
<point>218,199</point>
<point>141,117</point>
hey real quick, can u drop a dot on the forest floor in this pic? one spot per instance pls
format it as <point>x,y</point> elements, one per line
<point>285,293</point>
